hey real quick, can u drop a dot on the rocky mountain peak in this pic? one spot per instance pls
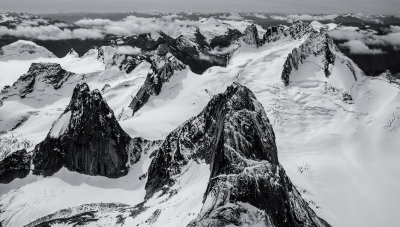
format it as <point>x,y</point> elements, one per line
<point>251,35</point>
<point>39,76</point>
<point>87,138</point>
<point>195,138</point>
<point>233,135</point>
<point>162,49</point>
<point>49,73</point>
<point>316,44</point>
<point>73,53</point>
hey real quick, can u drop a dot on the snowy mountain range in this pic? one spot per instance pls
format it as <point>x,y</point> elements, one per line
<point>182,121</point>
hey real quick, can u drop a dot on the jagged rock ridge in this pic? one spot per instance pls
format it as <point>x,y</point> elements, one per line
<point>163,66</point>
<point>126,63</point>
<point>87,138</point>
<point>38,75</point>
<point>295,31</point>
<point>247,184</point>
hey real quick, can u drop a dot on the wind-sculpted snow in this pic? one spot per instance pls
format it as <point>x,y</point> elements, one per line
<point>234,136</point>
<point>86,138</point>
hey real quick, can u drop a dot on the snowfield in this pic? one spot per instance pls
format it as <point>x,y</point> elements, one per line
<point>342,155</point>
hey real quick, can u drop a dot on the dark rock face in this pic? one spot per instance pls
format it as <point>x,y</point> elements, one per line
<point>247,184</point>
<point>196,138</point>
<point>226,39</point>
<point>274,33</point>
<point>163,66</point>
<point>329,57</point>
<point>317,44</point>
<point>87,139</point>
<point>292,62</point>
<point>39,73</point>
<point>15,165</point>
<point>251,36</point>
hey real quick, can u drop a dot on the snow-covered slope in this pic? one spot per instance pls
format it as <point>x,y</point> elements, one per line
<point>336,132</point>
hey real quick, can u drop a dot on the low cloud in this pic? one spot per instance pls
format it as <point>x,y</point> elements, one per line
<point>129,26</point>
<point>342,34</point>
<point>89,23</point>
<point>128,50</point>
<point>171,17</point>
<point>225,50</point>
<point>89,29</point>
<point>358,47</point>
<point>392,38</point>
<point>394,28</point>
<point>303,17</point>
<point>232,16</point>
<point>50,32</point>
<point>368,38</point>
<point>261,16</point>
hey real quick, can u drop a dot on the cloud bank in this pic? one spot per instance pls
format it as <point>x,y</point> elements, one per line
<point>129,26</point>
<point>88,28</point>
<point>358,47</point>
<point>50,32</point>
<point>128,50</point>
<point>359,42</point>
<point>304,17</point>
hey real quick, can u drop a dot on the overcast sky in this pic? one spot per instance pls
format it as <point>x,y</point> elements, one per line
<point>281,6</point>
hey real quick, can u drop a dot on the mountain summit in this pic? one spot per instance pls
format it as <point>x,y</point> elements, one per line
<point>247,185</point>
<point>86,138</point>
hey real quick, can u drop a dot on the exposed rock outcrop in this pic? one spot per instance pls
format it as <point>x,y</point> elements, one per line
<point>124,62</point>
<point>87,139</point>
<point>163,66</point>
<point>247,184</point>
<point>251,35</point>
<point>38,76</point>
<point>15,165</point>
